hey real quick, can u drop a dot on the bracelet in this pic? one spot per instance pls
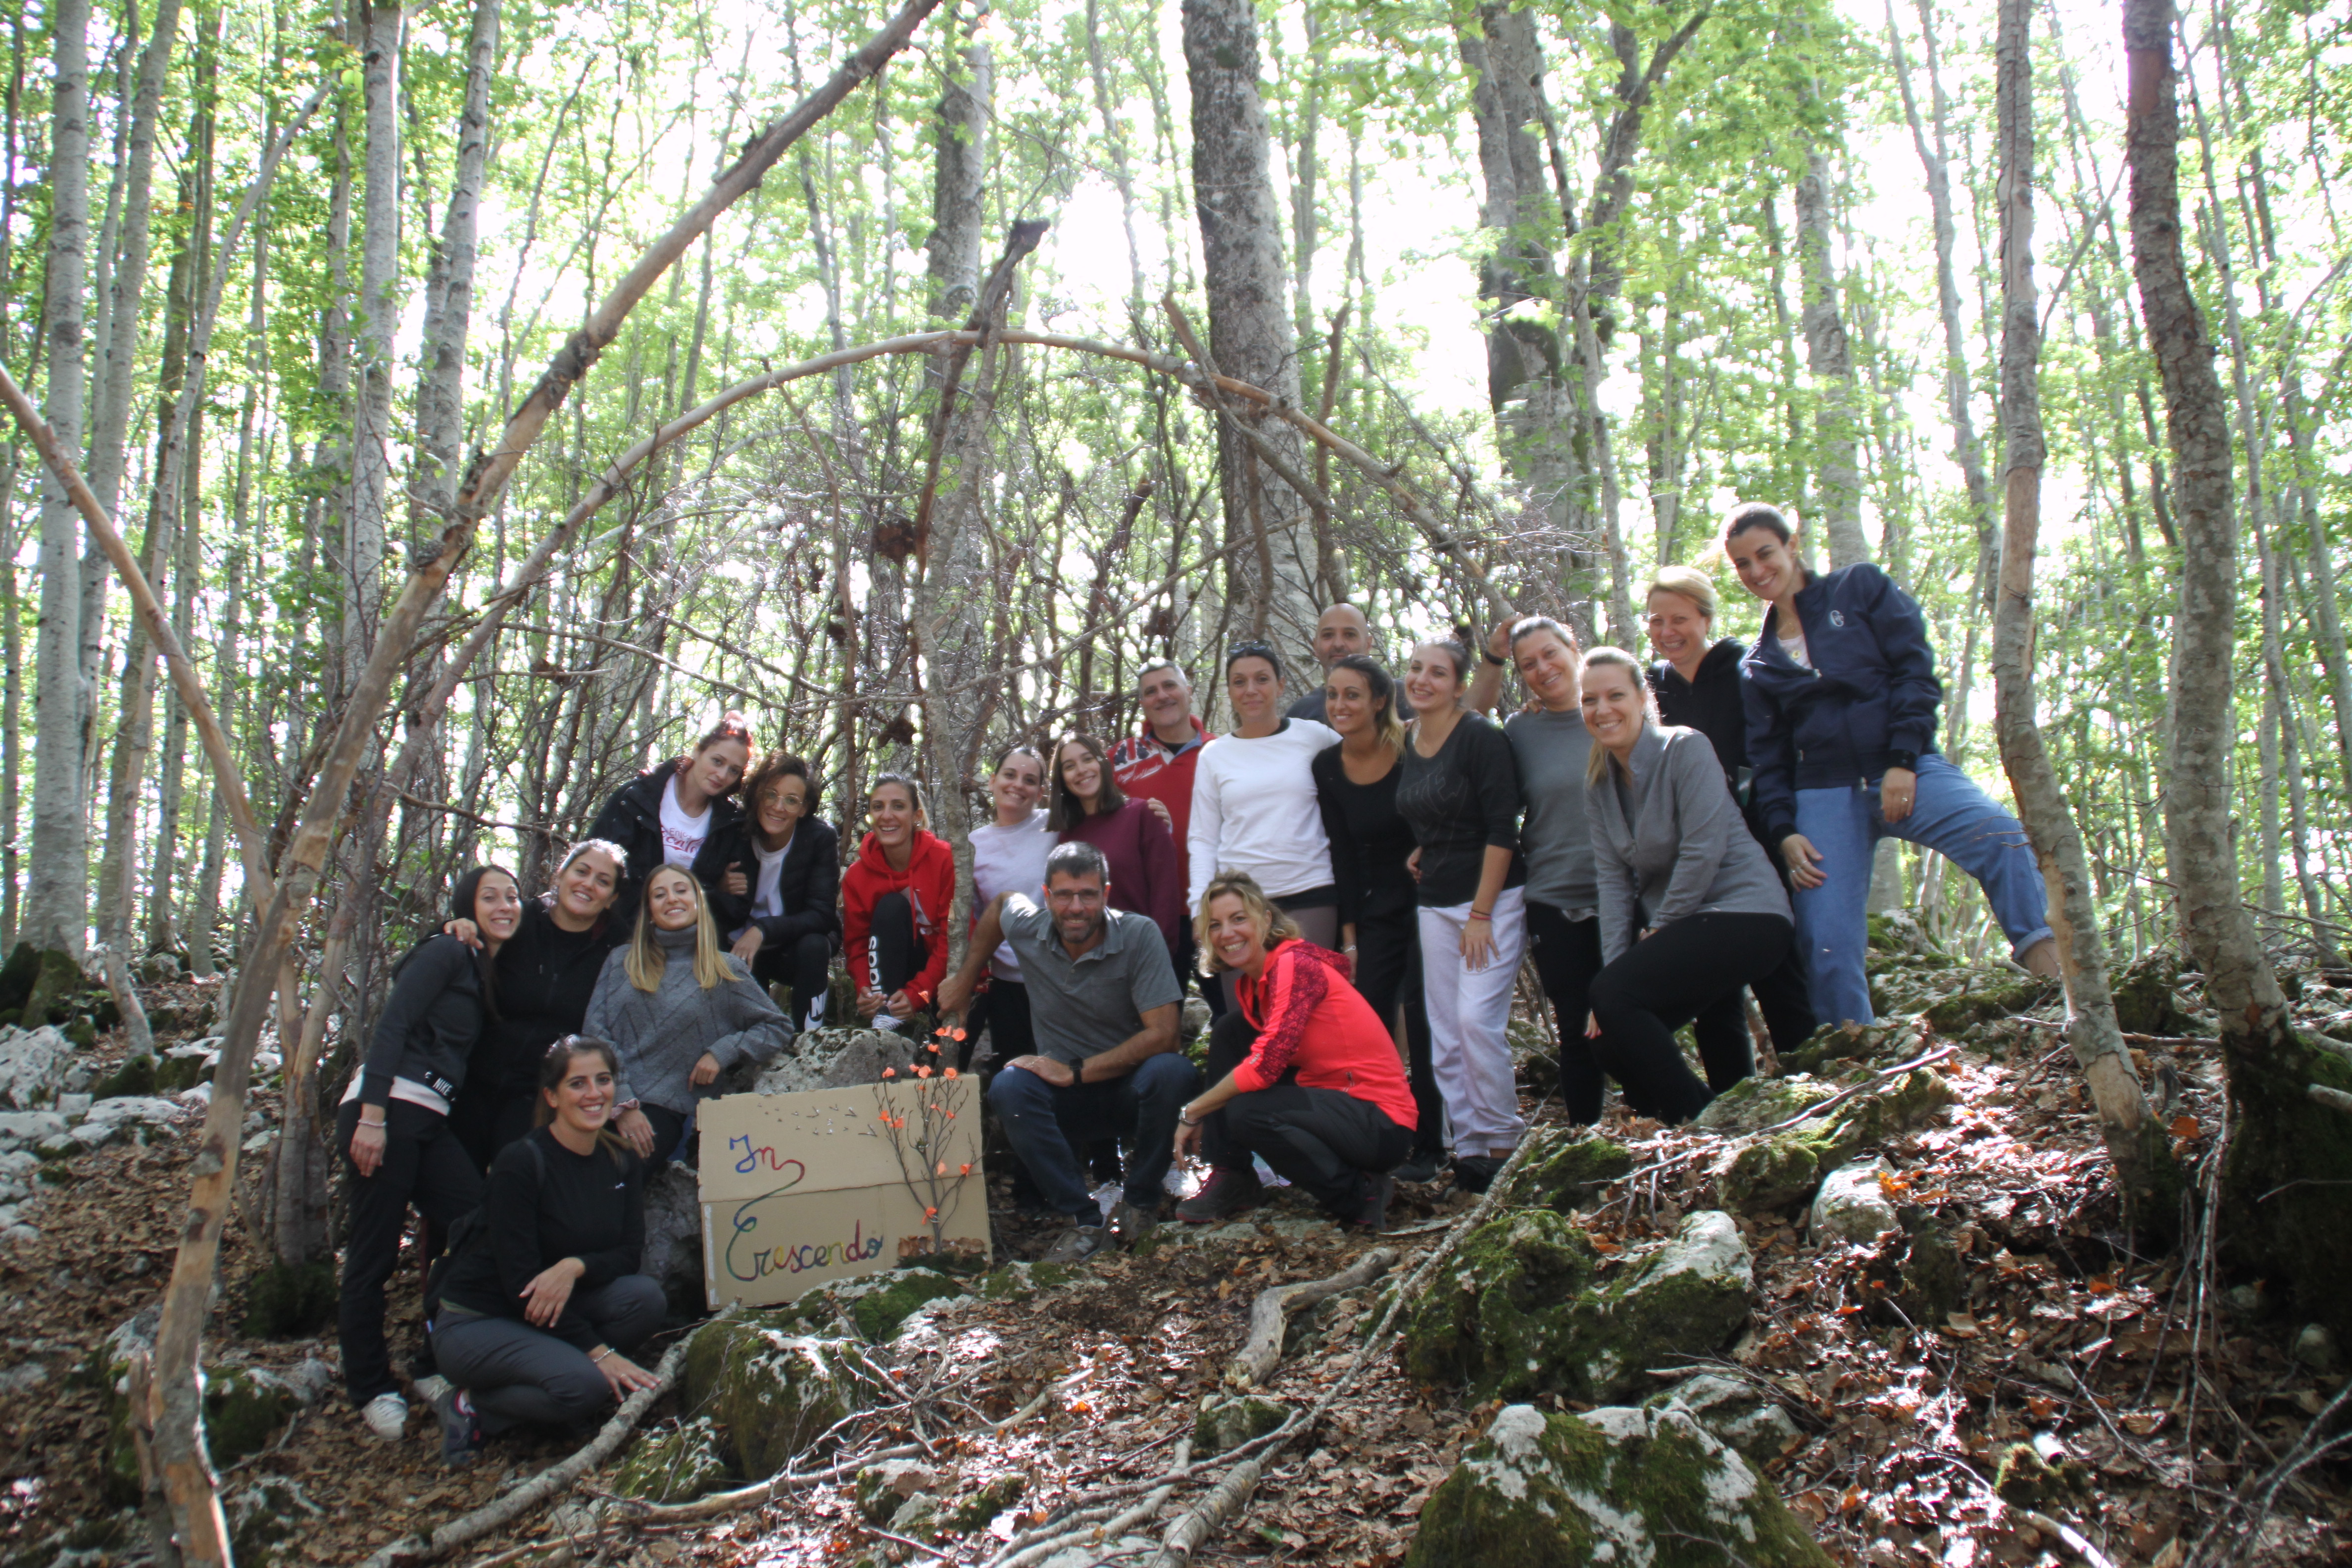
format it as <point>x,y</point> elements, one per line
<point>1482,915</point>
<point>1188,1120</point>
<point>1491,658</point>
<point>599,1359</point>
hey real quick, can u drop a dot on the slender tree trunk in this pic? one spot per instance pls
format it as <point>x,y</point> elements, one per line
<point>2287,1185</point>
<point>371,434</point>
<point>450,290</point>
<point>1249,321</point>
<point>2133,1143</point>
<point>1830,357</point>
<point>57,895</point>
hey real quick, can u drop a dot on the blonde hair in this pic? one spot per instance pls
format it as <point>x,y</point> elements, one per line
<point>647,961</point>
<point>1616,659</point>
<point>1271,920</point>
<point>1689,582</point>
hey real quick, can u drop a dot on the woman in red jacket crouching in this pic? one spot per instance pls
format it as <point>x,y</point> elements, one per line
<point>893,907</point>
<point>1303,1073</point>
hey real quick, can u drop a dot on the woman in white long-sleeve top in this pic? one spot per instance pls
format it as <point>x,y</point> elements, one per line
<point>1691,911</point>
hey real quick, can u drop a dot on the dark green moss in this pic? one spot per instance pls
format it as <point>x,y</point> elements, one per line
<point>879,1315</point>
<point>1564,1170</point>
<point>289,1301</point>
<point>135,1076</point>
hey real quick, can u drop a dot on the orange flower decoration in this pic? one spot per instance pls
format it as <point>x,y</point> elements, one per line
<point>951,1072</point>
<point>889,1072</point>
<point>922,1072</point>
<point>931,1214</point>
<point>964,1170</point>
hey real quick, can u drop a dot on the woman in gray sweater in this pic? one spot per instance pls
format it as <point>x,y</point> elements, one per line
<point>680,1009</point>
<point>1690,909</point>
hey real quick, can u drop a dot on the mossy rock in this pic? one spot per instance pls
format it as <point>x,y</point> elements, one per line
<point>678,1465</point>
<point>56,979</point>
<point>175,1073</point>
<point>879,1306</point>
<point>1229,1423</point>
<point>2026,1480</point>
<point>289,1301</point>
<point>1935,1279</point>
<point>1614,1485</point>
<point>881,1490</point>
<point>17,977</point>
<point>1849,1045</point>
<point>135,1076</point>
<point>82,1032</point>
<point>976,1508</point>
<point>1900,931</point>
<point>84,1540</point>
<point>2001,997</point>
<point>772,1391</point>
<point>1770,1176</point>
<point>264,1515</point>
<point>1522,1308</point>
<point>1755,1103</point>
<point>1736,1413</point>
<point>1564,1169</point>
<point>246,1409</point>
<point>2146,1001</point>
<point>1020,1281</point>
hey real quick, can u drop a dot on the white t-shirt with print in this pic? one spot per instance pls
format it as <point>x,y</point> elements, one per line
<point>682,835</point>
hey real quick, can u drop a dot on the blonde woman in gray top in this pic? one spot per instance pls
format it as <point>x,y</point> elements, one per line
<point>1690,909</point>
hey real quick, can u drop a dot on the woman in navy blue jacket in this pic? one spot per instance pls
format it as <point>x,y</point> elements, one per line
<point>1840,695</point>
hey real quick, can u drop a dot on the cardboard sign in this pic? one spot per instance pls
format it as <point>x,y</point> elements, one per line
<point>798,1189</point>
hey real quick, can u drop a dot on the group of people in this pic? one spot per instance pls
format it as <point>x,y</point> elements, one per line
<point>1352,878</point>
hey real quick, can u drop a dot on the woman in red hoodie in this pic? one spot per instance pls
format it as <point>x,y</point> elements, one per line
<point>1306,1074</point>
<point>894,906</point>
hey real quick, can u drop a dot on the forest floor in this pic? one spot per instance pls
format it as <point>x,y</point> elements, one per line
<point>2158,1388</point>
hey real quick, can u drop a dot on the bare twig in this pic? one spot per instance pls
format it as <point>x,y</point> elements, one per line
<point>1270,1314</point>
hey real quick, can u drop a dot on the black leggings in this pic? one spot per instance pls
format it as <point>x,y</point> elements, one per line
<point>669,1131</point>
<point>1321,1141</point>
<point>423,1164</point>
<point>1663,982</point>
<point>1003,1010</point>
<point>803,963</point>
<point>895,955</point>
<point>1568,955</point>
<point>519,1375</point>
<point>1388,975</point>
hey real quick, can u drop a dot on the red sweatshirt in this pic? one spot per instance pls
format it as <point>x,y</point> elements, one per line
<point>1309,1018</point>
<point>929,882</point>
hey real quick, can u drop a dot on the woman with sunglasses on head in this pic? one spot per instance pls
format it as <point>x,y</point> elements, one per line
<point>679,1010</point>
<point>1840,695</point>
<point>394,1125</point>
<point>541,1304</point>
<point>775,901</point>
<point>546,971</point>
<point>1008,856</point>
<point>677,813</point>
<point>1460,789</point>
<point>1146,870</point>
<point>895,898</point>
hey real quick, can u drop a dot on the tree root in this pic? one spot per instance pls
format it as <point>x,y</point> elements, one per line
<point>1270,1314</point>
<point>1093,1524</point>
<point>545,1486</point>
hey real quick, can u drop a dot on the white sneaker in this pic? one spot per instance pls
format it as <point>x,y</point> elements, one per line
<point>386,1417</point>
<point>884,1022</point>
<point>816,1017</point>
<point>431,1388</point>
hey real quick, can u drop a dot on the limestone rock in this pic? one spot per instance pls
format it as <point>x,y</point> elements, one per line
<point>1645,1488</point>
<point>880,1490</point>
<point>1019,1281</point>
<point>772,1391</point>
<point>1566,1167</point>
<point>2315,1347</point>
<point>1773,1173</point>
<point>678,1465</point>
<point>1738,1413</point>
<point>131,1108</point>
<point>1755,1103</point>
<point>1229,1423</point>
<point>23,1129</point>
<point>1522,1308</point>
<point>33,1064</point>
<point>880,1304</point>
<point>1852,1205</point>
<point>246,1409</point>
<point>844,1058</point>
<point>264,1515</point>
<point>976,1509</point>
<point>673,1250</point>
<point>918,1518</point>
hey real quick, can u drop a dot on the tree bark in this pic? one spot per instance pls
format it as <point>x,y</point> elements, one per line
<point>450,290</point>
<point>2134,1144</point>
<point>1830,357</point>
<point>378,315</point>
<point>1249,321</point>
<point>57,893</point>
<point>2289,1172</point>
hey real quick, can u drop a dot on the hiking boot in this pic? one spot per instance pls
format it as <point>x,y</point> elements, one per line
<point>1231,1190</point>
<point>1476,1172</point>
<point>1420,1167</point>
<point>386,1417</point>
<point>1078,1243</point>
<point>461,1431</point>
<point>1132,1222</point>
<point>1374,1191</point>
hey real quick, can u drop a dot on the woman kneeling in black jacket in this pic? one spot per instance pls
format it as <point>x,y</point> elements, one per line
<point>542,1298</point>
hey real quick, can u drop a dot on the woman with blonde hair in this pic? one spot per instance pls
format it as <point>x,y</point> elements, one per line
<point>680,1009</point>
<point>1306,1074</point>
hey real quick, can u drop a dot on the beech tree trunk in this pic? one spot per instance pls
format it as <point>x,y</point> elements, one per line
<point>2134,1144</point>
<point>1250,332</point>
<point>363,546</point>
<point>1830,357</point>
<point>2286,1195</point>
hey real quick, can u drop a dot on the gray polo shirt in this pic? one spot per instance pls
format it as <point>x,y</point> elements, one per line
<point>1080,1007</point>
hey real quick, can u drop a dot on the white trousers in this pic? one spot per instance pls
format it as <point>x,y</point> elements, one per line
<point>1469,1015</point>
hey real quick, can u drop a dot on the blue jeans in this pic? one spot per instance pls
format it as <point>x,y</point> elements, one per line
<point>1948,814</point>
<point>1046,1125</point>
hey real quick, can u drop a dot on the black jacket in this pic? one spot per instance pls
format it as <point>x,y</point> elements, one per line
<point>541,1204</point>
<point>545,976</point>
<point>808,885</point>
<point>632,819</point>
<point>1870,697</point>
<point>429,1023</point>
<point>1712,705</point>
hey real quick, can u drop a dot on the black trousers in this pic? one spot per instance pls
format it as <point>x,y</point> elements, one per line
<point>1663,982</point>
<point>487,1119</point>
<point>1568,955</point>
<point>894,953</point>
<point>519,1375</point>
<point>1321,1141</point>
<point>1785,996</point>
<point>669,1131</point>
<point>1388,975</point>
<point>423,1164</point>
<point>804,963</point>
<point>1003,1010</point>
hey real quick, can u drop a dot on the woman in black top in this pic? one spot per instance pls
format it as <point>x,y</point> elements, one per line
<point>776,899</point>
<point>1459,788</point>
<point>679,812</point>
<point>546,973</point>
<point>393,1126</point>
<point>542,1301</point>
<point>1356,787</point>
<point>1696,683</point>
